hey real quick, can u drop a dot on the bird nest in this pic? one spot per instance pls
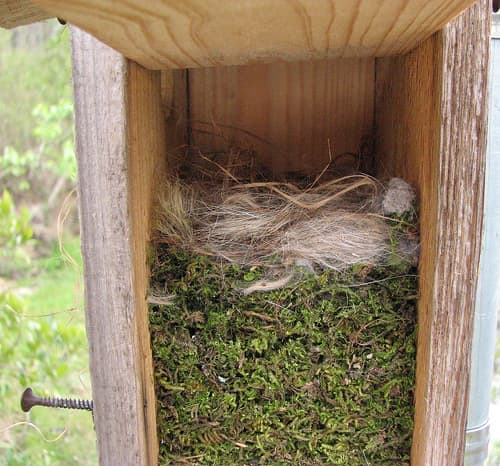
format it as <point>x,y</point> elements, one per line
<point>286,226</point>
<point>282,316</point>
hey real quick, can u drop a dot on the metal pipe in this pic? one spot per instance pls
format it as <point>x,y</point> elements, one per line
<point>488,294</point>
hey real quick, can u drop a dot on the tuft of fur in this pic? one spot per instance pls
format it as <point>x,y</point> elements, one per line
<point>398,198</point>
<point>338,240</point>
<point>266,223</point>
<point>175,208</point>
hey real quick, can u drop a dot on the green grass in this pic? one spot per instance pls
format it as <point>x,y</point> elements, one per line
<point>58,285</point>
<point>48,353</point>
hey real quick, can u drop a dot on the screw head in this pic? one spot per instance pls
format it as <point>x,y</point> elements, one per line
<point>27,400</point>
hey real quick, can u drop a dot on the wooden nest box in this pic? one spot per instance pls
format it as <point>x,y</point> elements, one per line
<point>408,75</point>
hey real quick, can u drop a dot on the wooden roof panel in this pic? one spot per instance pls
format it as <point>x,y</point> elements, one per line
<point>15,13</point>
<point>194,33</point>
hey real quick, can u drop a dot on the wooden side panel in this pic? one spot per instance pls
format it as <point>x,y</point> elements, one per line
<point>408,129</point>
<point>15,13</point>
<point>197,33</point>
<point>147,158</point>
<point>431,129</point>
<point>293,114</point>
<point>121,153</point>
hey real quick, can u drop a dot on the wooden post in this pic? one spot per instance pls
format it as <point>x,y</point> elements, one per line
<point>120,143</point>
<point>431,129</point>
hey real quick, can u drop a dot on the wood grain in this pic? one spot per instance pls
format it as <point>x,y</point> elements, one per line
<point>147,159</point>
<point>15,13</point>
<point>431,129</point>
<point>198,33</point>
<point>292,114</point>
<point>121,155</point>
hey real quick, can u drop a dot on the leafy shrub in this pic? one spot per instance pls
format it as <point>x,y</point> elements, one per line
<point>15,230</point>
<point>36,125</point>
<point>54,152</point>
<point>29,76</point>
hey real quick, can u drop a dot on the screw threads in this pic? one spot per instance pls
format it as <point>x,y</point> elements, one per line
<point>29,399</point>
<point>67,403</point>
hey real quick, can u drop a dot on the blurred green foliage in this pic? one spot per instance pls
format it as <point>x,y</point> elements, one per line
<point>15,229</point>
<point>54,132</point>
<point>29,76</point>
<point>54,151</point>
<point>494,454</point>
<point>15,234</point>
<point>42,331</point>
<point>36,129</point>
<point>43,345</point>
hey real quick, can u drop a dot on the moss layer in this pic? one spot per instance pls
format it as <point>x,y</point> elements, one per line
<point>318,373</point>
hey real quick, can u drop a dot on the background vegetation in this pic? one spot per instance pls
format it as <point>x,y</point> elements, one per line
<point>42,332</point>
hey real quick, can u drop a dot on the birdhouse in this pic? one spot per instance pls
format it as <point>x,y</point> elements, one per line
<point>408,79</point>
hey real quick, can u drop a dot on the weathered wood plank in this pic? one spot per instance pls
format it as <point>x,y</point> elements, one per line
<point>408,145</point>
<point>121,154</point>
<point>431,129</point>
<point>197,33</point>
<point>293,114</point>
<point>15,13</point>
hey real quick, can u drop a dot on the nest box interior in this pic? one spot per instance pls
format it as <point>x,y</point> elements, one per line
<point>293,115</point>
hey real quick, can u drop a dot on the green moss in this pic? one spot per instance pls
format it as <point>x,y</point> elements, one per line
<point>321,372</point>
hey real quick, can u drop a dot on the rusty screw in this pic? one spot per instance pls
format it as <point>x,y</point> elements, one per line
<point>29,399</point>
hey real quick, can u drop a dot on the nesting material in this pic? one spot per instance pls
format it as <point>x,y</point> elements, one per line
<point>283,319</point>
<point>399,197</point>
<point>282,226</point>
<point>321,372</point>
